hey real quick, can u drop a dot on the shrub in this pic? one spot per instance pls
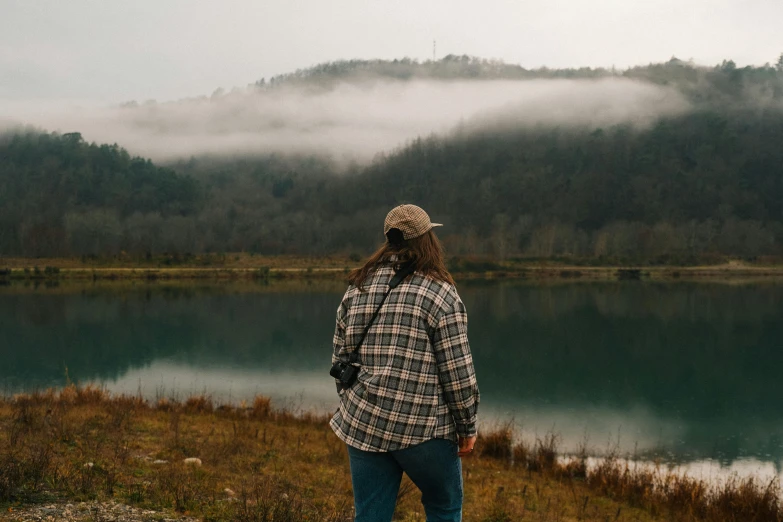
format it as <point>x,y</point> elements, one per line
<point>262,407</point>
<point>199,404</point>
<point>497,444</point>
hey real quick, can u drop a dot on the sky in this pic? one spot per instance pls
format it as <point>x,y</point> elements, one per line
<point>110,52</point>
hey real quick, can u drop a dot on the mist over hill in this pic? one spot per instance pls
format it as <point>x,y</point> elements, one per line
<point>352,110</point>
<point>352,117</point>
<point>664,163</point>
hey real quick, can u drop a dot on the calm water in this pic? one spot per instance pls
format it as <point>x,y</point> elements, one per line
<point>688,372</point>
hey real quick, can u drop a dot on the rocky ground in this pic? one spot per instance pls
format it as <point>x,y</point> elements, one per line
<point>88,512</point>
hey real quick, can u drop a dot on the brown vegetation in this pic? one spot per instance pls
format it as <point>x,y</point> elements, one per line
<point>255,462</point>
<point>245,266</point>
<point>659,491</point>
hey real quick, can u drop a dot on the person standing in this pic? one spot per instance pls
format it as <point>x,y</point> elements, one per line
<point>407,386</point>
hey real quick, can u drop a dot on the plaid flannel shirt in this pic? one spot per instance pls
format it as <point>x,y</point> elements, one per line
<point>416,381</point>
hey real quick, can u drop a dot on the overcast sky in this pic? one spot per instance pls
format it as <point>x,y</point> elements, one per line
<point>113,51</point>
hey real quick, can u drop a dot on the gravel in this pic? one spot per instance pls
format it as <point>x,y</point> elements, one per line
<point>88,512</point>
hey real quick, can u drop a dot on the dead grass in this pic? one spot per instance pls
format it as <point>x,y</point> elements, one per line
<point>259,463</point>
<point>497,444</point>
<point>679,497</point>
<point>245,266</point>
<point>237,260</point>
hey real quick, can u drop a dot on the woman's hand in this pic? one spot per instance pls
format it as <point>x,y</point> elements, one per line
<point>465,445</point>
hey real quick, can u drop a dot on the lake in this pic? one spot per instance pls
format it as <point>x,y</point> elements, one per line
<point>684,372</point>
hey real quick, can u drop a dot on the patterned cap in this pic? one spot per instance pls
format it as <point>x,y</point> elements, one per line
<point>411,220</point>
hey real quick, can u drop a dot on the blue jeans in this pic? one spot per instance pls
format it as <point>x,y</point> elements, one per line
<point>433,466</point>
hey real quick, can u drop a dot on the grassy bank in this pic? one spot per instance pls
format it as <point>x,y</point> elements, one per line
<point>256,462</point>
<point>243,266</point>
<point>208,266</point>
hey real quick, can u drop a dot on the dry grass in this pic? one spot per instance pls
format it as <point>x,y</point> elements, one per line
<point>222,267</point>
<point>237,260</point>
<point>497,443</point>
<point>80,444</point>
<point>259,463</point>
<point>246,266</point>
<point>680,497</point>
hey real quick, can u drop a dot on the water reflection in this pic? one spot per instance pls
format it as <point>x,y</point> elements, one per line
<point>689,371</point>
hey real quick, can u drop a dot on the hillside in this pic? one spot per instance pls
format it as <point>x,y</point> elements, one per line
<point>59,194</point>
<point>687,186</point>
<point>705,183</point>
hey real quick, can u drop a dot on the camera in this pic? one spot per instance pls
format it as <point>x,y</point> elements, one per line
<point>345,373</point>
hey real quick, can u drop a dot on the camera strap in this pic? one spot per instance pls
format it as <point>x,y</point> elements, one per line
<point>405,270</point>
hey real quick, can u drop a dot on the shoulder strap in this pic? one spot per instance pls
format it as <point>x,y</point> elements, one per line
<point>404,271</point>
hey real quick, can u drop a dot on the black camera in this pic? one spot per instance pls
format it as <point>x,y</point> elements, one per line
<point>345,373</point>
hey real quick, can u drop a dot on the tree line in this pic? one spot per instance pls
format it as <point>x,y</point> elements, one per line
<point>720,84</point>
<point>60,195</point>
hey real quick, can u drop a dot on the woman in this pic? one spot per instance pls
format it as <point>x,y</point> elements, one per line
<point>413,404</point>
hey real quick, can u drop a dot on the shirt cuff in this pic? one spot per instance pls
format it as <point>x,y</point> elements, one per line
<point>466,430</point>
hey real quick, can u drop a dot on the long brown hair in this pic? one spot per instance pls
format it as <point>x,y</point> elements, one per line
<point>425,252</point>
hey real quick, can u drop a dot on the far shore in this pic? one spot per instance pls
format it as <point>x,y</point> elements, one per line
<point>243,266</point>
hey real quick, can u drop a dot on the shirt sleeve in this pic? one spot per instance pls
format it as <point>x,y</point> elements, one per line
<point>456,374</point>
<point>338,342</point>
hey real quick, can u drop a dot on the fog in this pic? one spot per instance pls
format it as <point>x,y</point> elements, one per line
<point>349,120</point>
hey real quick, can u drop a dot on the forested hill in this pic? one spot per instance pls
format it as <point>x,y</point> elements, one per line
<point>689,188</point>
<point>703,184</point>
<point>60,195</point>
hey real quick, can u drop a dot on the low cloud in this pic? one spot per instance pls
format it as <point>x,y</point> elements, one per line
<point>350,120</point>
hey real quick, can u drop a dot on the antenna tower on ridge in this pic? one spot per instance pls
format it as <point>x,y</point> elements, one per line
<point>433,50</point>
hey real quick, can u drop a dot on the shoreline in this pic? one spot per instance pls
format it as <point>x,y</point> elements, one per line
<point>196,458</point>
<point>247,267</point>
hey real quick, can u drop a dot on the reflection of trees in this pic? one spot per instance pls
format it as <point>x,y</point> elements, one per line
<point>662,301</point>
<point>103,335</point>
<point>702,350</point>
<point>704,355</point>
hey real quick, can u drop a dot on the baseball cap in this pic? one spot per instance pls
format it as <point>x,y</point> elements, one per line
<point>411,220</point>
